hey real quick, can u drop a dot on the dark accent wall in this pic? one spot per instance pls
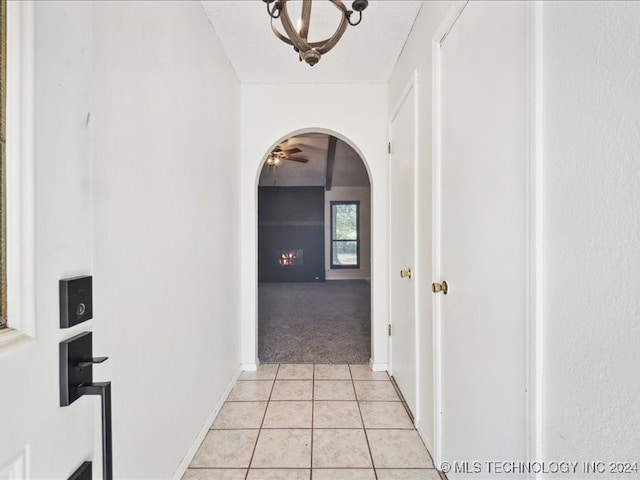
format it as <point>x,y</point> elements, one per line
<point>291,219</point>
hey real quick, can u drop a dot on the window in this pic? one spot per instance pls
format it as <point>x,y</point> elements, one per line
<point>345,234</point>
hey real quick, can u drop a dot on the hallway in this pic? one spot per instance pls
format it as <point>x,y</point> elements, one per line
<point>498,227</point>
<point>320,422</point>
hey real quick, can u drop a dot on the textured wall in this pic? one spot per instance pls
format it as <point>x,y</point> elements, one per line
<point>591,248</point>
<point>166,132</point>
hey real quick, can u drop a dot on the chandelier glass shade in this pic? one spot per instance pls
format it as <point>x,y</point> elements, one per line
<point>310,52</point>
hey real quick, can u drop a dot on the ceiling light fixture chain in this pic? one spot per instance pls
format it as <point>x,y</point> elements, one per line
<point>311,52</point>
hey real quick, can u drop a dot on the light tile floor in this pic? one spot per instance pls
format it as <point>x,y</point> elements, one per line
<point>312,422</point>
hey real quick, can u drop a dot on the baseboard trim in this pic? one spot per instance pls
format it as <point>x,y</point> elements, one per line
<point>186,461</point>
<point>249,367</point>
<point>378,367</point>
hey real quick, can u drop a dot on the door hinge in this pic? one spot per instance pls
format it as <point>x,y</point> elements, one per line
<point>389,148</point>
<point>389,330</point>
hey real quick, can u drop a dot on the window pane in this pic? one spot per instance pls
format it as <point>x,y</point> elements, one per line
<point>345,253</point>
<point>345,222</point>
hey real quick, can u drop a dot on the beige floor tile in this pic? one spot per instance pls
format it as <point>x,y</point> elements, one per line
<point>375,391</point>
<point>226,449</point>
<point>240,415</point>
<point>341,449</point>
<point>292,390</point>
<point>333,390</point>
<point>398,449</point>
<point>250,391</point>
<point>264,372</point>
<point>343,474</point>
<point>385,415</point>
<point>364,372</point>
<point>275,474</point>
<point>289,448</point>
<point>405,474</point>
<point>332,372</point>
<point>328,414</point>
<point>295,372</point>
<point>215,474</point>
<point>288,415</point>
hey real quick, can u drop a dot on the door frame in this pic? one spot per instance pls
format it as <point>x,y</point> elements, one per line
<point>411,85</point>
<point>372,278</point>
<point>533,226</point>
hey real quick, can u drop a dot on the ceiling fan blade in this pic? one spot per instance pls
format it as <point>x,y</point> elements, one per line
<point>297,159</point>
<point>311,146</point>
<point>291,150</point>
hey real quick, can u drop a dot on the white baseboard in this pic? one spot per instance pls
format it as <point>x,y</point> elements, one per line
<point>378,367</point>
<point>186,461</point>
<point>249,367</point>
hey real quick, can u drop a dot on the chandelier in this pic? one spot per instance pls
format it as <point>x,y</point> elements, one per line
<point>311,52</point>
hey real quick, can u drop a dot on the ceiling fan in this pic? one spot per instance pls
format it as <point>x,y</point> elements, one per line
<point>279,154</point>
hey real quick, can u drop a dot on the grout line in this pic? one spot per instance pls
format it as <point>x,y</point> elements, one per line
<point>366,436</point>
<point>264,415</point>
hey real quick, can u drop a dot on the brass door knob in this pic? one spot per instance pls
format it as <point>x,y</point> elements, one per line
<point>440,287</point>
<point>405,273</point>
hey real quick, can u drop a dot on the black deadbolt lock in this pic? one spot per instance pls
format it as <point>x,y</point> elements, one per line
<point>76,301</point>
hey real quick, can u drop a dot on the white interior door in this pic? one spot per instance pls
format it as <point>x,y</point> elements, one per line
<point>482,235</point>
<point>403,337</point>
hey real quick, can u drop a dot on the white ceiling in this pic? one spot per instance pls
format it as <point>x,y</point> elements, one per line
<point>366,53</point>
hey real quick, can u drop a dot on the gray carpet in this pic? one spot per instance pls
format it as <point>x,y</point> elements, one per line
<point>327,322</point>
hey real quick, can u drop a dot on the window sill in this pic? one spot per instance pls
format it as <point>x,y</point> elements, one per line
<point>11,339</point>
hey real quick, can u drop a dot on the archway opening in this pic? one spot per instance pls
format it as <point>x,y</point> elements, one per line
<point>314,252</point>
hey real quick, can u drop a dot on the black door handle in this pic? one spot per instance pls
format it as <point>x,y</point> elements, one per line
<point>104,390</point>
<point>76,380</point>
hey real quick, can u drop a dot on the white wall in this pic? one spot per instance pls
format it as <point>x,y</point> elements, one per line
<point>362,195</point>
<point>591,230</point>
<point>165,123</point>
<point>417,55</point>
<point>355,113</point>
<point>58,439</point>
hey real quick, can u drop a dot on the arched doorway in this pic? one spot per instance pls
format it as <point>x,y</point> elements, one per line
<point>314,252</point>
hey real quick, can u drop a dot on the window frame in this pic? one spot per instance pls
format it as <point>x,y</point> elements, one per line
<point>332,232</point>
<point>20,175</point>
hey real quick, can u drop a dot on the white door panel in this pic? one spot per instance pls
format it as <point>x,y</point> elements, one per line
<point>482,234</point>
<point>403,338</point>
